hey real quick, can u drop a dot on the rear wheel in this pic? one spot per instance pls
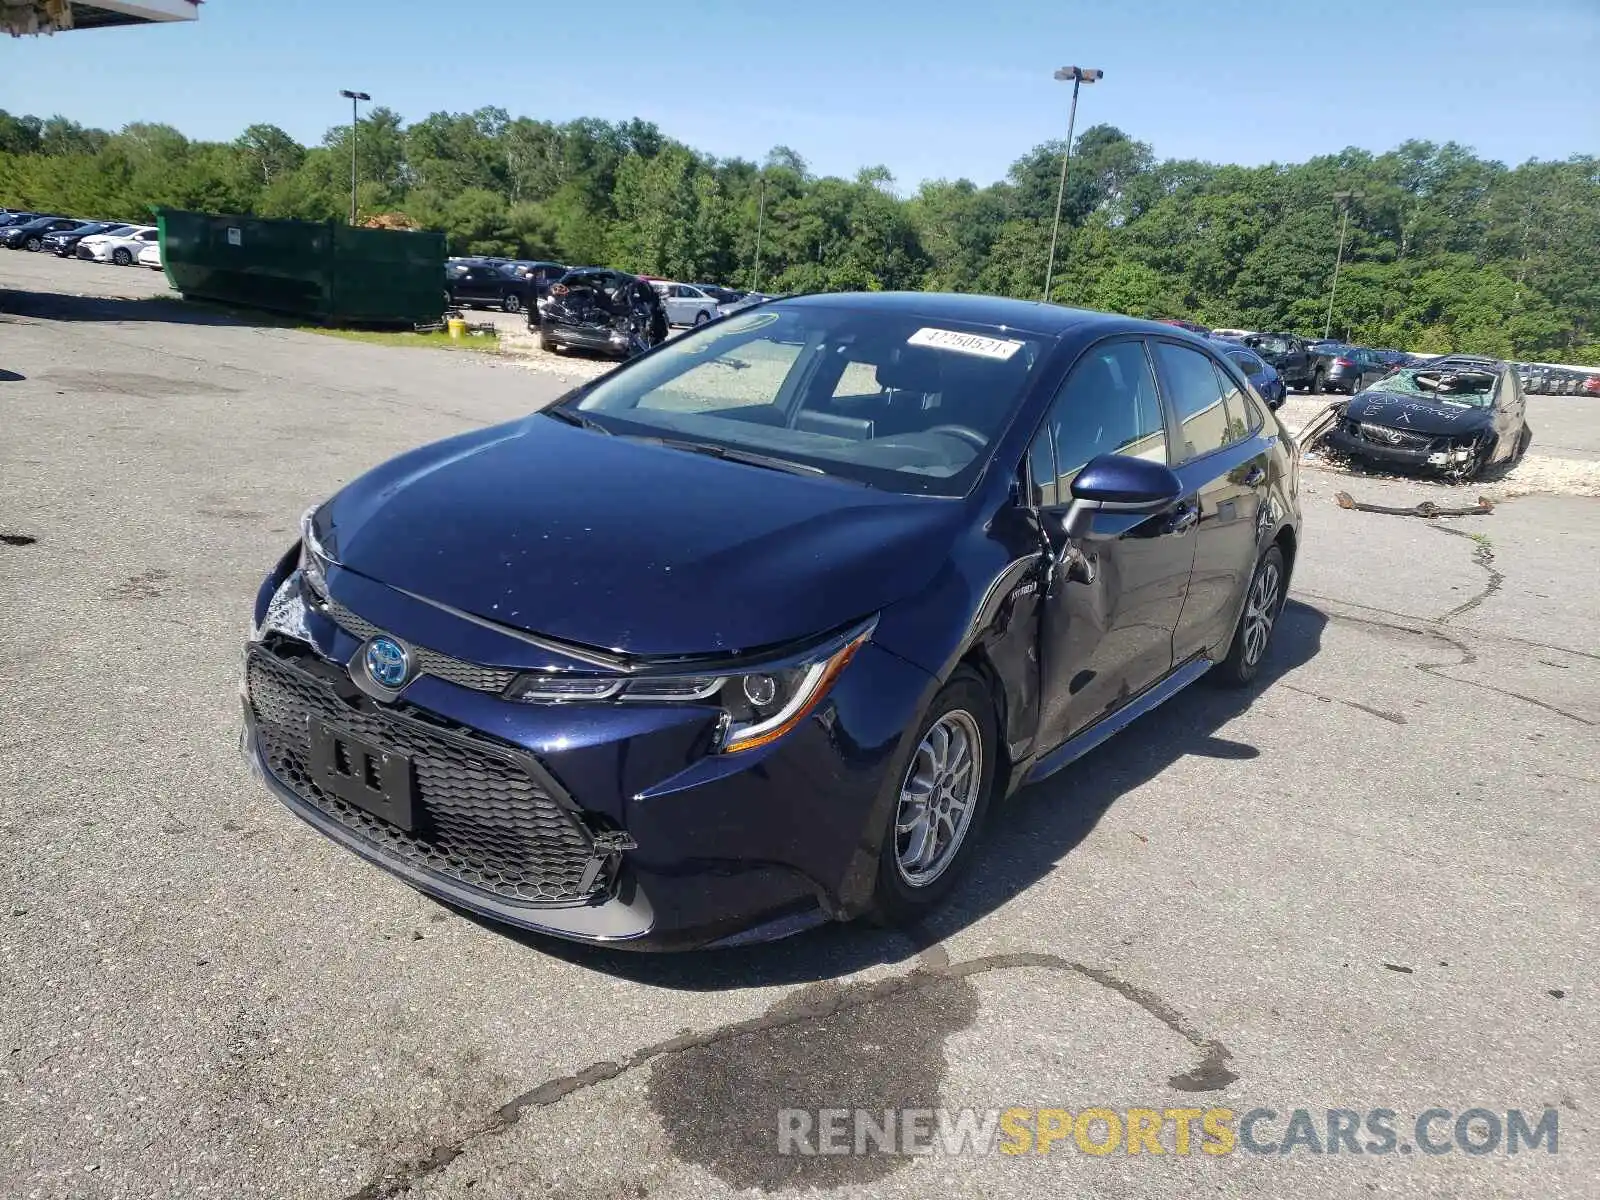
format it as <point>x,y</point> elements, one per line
<point>943,796</point>
<point>1262,604</point>
<point>512,303</point>
<point>122,257</point>
<point>1318,381</point>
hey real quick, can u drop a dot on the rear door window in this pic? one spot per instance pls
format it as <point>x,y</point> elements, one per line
<point>1195,391</point>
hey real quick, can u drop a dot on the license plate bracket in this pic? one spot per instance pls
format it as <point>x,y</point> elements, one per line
<point>377,781</point>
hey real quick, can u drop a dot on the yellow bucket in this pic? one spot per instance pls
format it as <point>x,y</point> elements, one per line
<point>457,328</point>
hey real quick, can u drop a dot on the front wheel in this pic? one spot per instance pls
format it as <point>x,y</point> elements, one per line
<point>35,245</point>
<point>512,303</point>
<point>701,317</point>
<point>121,257</point>
<point>940,805</point>
<point>1262,604</point>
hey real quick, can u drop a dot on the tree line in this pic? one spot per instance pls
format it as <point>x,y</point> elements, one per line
<point>1443,250</point>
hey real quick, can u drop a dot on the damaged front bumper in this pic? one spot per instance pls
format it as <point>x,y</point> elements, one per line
<point>1399,446</point>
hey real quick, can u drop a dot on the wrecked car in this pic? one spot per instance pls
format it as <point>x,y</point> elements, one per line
<point>1456,414</point>
<point>595,308</point>
<point>748,633</point>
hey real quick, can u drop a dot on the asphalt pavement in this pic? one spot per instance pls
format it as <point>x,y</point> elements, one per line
<point>1368,883</point>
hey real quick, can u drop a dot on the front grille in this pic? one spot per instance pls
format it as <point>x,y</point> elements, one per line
<point>1384,435</point>
<point>488,822</point>
<point>429,662</point>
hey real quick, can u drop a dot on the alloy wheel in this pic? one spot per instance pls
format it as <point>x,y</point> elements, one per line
<point>1261,610</point>
<point>938,798</point>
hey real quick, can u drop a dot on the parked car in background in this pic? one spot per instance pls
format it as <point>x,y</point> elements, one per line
<point>1289,355</point>
<point>1590,385</point>
<point>30,235</point>
<point>482,283</point>
<point>15,216</point>
<point>539,274</point>
<point>722,295</point>
<point>1457,414</point>
<point>119,248</point>
<point>685,303</point>
<point>150,256</point>
<point>599,309</point>
<point>1262,375</point>
<point>64,242</point>
<point>1394,359</point>
<point>1352,368</point>
<point>804,595</point>
<point>1232,334</point>
<point>1191,326</point>
<point>745,300</point>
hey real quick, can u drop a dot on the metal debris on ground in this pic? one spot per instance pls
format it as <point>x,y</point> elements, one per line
<point>1427,509</point>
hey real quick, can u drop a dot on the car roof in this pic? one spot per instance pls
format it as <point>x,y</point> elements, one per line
<point>1027,316</point>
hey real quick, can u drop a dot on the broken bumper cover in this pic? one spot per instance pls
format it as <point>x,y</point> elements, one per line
<point>601,338</point>
<point>709,849</point>
<point>1433,453</point>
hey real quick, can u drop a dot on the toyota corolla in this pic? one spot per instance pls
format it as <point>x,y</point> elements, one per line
<point>751,632</point>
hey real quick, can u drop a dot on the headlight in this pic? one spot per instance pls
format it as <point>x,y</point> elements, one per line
<point>758,706</point>
<point>314,560</point>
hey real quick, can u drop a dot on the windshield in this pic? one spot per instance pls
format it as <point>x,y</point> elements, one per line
<point>1460,386</point>
<point>1268,343</point>
<point>889,399</point>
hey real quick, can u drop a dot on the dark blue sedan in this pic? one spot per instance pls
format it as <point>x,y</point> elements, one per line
<point>751,632</point>
<point>1263,376</point>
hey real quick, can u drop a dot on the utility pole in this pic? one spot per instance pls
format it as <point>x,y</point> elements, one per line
<point>355,99</point>
<point>1079,76</point>
<point>761,217</point>
<point>1344,199</point>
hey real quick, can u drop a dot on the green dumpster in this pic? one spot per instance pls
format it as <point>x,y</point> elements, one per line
<point>323,271</point>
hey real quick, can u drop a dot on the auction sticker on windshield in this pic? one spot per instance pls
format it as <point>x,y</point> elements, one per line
<point>964,343</point>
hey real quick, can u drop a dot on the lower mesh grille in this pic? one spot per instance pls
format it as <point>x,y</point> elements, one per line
<point>489,823</point>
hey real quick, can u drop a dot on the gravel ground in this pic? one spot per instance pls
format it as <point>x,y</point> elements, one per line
<point>1366,883</point>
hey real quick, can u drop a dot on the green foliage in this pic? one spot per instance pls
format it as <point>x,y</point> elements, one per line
<point>1442,250</point>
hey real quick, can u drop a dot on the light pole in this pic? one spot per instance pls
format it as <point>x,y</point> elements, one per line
<point>355,99</point>
<point>1079,76</point>
<point>1344,199</point>
<point>761,217</point>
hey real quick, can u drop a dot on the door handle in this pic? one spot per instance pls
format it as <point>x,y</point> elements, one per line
<point>1184,519</point>
<point>1256,476</point>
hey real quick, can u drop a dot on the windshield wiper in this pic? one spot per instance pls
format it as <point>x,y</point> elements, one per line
<point>749,457</point>
<point>578,419</point>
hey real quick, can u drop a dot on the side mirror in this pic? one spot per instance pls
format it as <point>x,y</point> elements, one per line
<point>1119,483</point>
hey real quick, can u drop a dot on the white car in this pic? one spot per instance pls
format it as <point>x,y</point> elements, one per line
<point>685,303</point>
<point>150,256</point>
<point>122,249</point>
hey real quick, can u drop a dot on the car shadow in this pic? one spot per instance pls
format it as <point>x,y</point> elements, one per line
<point>1027,838</point>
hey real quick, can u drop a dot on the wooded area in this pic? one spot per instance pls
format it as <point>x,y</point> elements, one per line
<point>1446,251</point>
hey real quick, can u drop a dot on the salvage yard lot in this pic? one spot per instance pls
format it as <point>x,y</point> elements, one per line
<point>1368,883</point>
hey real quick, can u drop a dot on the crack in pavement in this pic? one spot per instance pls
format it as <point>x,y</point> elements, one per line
<point>815,1003</point>
<point>1481,634</point>
<point>1483,555</point>
<point>1392,718</point>
<point>1468,657</point>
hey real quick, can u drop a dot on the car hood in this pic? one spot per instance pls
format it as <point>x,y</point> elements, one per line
<point>626,545</point>
<point>1437,417</point>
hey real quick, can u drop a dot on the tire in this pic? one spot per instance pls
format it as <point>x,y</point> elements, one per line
<point>701,317</point>
<point>1263,600</point>
<point>905,891</point>
<point>1318,381</point>
<point>512,303</point>
<point>121,257</point>
<point>1524,440</point>
<point>35,245</point>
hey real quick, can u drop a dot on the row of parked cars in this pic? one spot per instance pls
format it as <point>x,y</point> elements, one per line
<point>1558,381</point>
<point>590,308</point>
<point>72,237</point>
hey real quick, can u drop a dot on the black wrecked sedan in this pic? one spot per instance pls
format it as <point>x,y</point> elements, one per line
<point>751,632</point>
<point>1457,414</point>
<point>595,308</point>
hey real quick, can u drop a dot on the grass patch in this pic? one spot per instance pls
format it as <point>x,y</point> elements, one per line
<point>483,343</point>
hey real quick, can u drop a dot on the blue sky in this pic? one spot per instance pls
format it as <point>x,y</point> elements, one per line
<point>930,88</point>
